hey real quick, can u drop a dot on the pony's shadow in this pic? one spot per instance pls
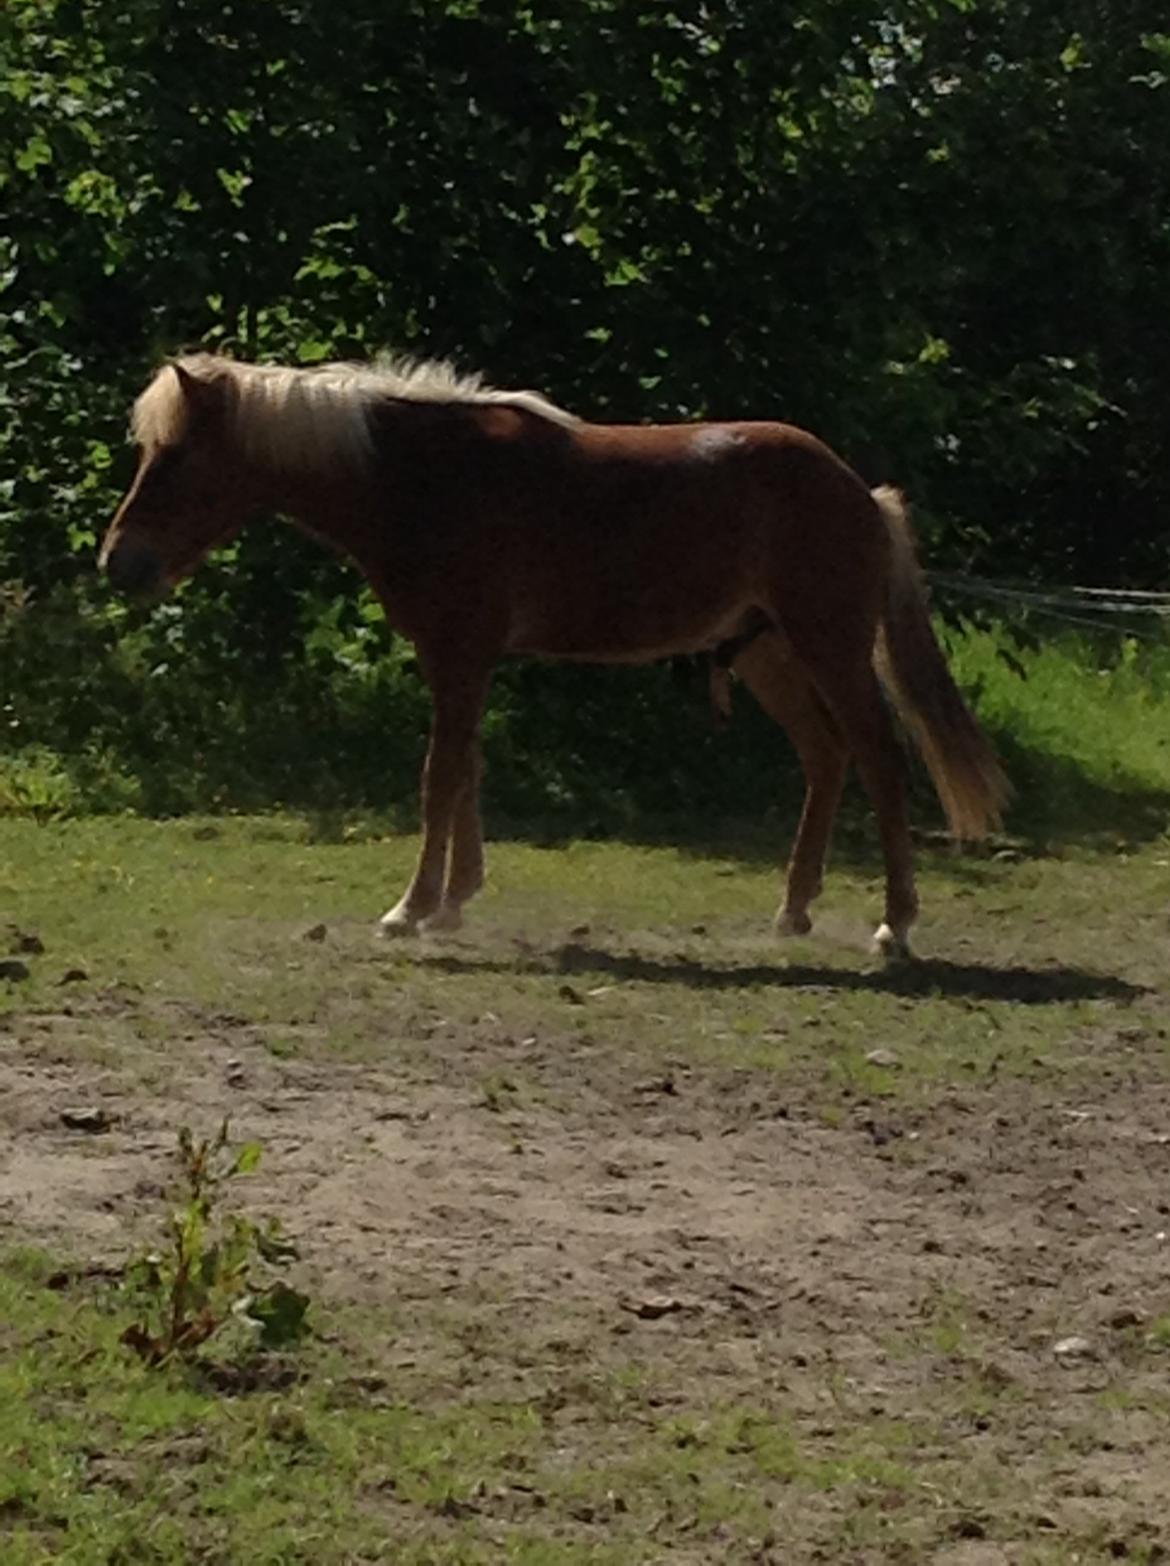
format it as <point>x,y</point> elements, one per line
<point>929,976</point>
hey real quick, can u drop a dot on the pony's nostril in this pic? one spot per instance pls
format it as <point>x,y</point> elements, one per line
<point>132,568</point>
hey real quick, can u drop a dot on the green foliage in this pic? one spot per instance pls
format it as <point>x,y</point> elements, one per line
<point>35,782</point>
<point>935,232</point>
<point>203,1277</point>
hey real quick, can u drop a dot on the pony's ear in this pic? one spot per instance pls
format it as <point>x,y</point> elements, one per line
<point>198,392</point>
<point>190,385</point>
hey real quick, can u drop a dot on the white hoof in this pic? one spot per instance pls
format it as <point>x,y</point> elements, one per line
<point>448,917</point>
<point>398,922</point>
<point>789,923</point>
<point>891,946</point>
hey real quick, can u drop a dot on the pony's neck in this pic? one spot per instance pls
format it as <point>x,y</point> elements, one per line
<point>332,508</point>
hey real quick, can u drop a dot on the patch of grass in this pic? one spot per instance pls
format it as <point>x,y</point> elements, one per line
<point>590,942</point>
<point>1084,723</point>
<point>99,1456</point>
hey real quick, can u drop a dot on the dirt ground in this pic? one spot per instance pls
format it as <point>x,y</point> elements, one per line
<point>984,1269</point>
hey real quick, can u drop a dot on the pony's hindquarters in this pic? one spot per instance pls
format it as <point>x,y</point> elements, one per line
<point>966,773</point>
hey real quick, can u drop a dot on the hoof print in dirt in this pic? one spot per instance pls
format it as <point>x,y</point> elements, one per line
<point>1126,1317</point>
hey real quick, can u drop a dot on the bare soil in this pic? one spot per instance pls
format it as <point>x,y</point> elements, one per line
<point>914,1263</point>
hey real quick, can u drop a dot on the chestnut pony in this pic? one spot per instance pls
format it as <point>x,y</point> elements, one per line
<point>491,523</point>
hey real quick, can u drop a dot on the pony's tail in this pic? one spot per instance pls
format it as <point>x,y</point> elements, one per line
<point>966,773</point>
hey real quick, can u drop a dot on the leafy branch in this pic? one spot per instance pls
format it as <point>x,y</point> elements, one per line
<point>214,1266</point>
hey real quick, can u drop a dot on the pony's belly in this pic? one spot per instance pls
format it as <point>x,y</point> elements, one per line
<point>636,639</point>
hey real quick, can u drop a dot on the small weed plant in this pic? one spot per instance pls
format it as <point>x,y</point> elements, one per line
<point>216,1267</point>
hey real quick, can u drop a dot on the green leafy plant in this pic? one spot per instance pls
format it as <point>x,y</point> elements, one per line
<point>214,1267</point>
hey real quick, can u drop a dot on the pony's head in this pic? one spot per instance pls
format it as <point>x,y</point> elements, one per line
<point>190,492</point>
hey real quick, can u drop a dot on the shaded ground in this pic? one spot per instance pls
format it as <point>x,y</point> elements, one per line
<point>666,1162</point>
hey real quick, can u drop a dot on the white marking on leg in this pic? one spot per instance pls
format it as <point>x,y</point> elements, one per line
<point>893,945</point>
<point>399,920</point>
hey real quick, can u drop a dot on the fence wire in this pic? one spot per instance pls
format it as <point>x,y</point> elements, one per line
<point>1095,608</point>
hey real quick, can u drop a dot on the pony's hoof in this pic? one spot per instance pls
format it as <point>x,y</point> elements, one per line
<point>792,923</point>
<point>892,948</point>
<point>445,919</point>
<point>397,924</point>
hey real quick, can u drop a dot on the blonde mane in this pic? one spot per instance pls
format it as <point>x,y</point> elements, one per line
<point>307,418</point>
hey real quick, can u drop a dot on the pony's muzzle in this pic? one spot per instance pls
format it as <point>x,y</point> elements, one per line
<point>133,568</point>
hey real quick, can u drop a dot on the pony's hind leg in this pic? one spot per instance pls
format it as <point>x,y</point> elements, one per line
<point>465,855</point>
<point>784,691</point>
<point>449,799</point>
<point>854,697</point>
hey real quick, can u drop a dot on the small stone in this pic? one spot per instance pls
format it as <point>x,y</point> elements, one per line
<point>657,1085</point>
<point>12,969</point>
<point>653,1307</point>
<point>90,1120</point>
<point>1073,1348</point>
<point>568,993</point>
<point>26,944</point>
<point>74,976</point>
<point>883,1057</point>
<point>317,933</point>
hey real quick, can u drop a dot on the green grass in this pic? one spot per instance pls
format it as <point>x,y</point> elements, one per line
<point>451,1427</point>
<point>190,918</point>
<point>1084,724</point>
<point>104,1461</point>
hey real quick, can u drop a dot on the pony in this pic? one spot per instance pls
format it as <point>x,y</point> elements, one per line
<point>494,523</point>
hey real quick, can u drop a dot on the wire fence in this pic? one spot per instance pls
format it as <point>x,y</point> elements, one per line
<point>1133,612</point>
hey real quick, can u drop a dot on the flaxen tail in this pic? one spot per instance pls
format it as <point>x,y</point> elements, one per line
<point>910,664</point>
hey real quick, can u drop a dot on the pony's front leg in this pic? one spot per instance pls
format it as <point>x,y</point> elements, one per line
<point>450,788</point>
